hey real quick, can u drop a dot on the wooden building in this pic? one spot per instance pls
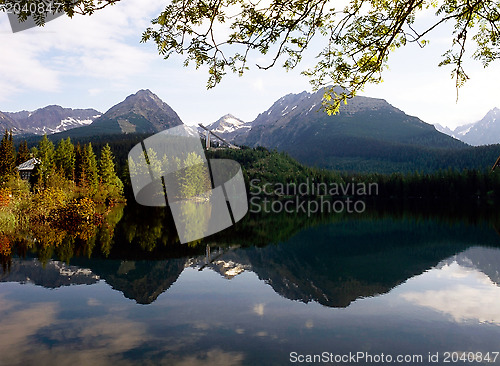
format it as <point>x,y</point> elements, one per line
<point>26,168</point>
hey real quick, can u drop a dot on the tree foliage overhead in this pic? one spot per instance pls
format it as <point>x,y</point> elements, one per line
<point>358,35</point>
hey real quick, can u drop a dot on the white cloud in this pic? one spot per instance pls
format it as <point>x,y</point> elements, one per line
<point>96,61</point>
<point>93,302</point>
<point>259,309</point>
<point>95,91</point>
<point>258,84</point>
<point>21,67</point>
<point>102,340</point>
<point>103,47</point>
<point>212,357</point>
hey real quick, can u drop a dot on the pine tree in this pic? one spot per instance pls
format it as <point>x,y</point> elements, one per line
<point>90,168</point>
<point>7,157</point>
<point>65,158</point>
<point>46,151</point>
<point>107,166</point>
<point>79,172</point>
<point>45,167</point>
<point>107,172</point>
<point>11,146</point>
<point>23,154</point>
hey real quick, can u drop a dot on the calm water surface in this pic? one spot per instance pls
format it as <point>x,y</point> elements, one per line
<point>391,285</point>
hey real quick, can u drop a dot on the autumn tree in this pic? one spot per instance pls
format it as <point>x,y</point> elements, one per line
<point>357,36</point>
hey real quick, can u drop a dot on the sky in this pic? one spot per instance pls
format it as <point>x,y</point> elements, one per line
<point>97,61</point>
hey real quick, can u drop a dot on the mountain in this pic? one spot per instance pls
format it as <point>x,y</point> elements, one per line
<point>142,112</point>
<point>7,123</point>
<point>367,130</point>
<point>444,129</point>
<point>484,132</point>
<point>52,119</point>
<point>229,127</point>
<point>296,118</point>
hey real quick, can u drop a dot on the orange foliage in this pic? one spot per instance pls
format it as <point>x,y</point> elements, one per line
<point>5,246</point>
<point>47,235</point>
<point>5,197</point>
<point>47,200</point>
<point>78,218</point>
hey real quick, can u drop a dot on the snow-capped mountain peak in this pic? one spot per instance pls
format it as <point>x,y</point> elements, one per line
<point>227,124</point>
<point>483,132</point>
<point>229,127</point>
<point>52,119</point>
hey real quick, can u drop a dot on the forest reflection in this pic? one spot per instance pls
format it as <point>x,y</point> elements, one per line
<point>329,259</point>
<point>136,232</point>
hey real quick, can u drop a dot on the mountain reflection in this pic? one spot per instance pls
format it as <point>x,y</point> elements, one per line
<point>468,287</point>
<point>53,275</point>
<point>485,260</point>
<point>332,263</point>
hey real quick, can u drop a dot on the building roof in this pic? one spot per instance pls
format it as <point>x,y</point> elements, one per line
<point>29,165</point>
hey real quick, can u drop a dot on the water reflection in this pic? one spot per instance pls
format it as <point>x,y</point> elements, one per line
<point>332,263</point>
<point>132,294</point>
<point>206,319</point>
<point>53,274</point>
<point>465,287</point>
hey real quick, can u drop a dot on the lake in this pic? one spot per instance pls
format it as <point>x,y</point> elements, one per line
<point>384,287</point>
